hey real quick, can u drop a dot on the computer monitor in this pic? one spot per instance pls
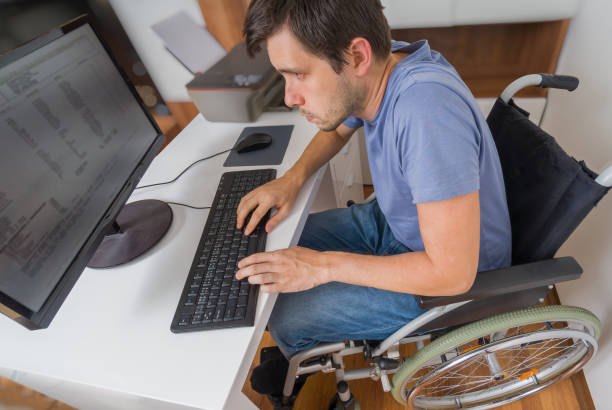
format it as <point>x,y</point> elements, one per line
<point>75,139</point>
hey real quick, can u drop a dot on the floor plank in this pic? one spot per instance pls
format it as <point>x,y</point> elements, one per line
<point>14,396</point>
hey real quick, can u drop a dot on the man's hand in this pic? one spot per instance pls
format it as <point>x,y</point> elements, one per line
<point>279,193</point>
<point>287,270</point>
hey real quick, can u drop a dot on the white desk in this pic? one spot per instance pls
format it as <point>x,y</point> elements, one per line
<point>110,345</point>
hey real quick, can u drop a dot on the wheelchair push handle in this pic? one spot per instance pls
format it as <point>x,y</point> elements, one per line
<point>565,82</point>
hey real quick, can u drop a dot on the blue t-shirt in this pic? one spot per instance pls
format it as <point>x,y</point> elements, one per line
<point>429,142</point>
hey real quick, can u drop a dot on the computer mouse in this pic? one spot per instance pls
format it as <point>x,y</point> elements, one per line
<point>253,142</point>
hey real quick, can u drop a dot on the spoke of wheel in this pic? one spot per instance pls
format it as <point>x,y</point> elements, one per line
<point>467,364</point>
<point>474,386</point>
<point>532,357</point>
<point>554,355</point>
<point>518,331</point>
<point>529,357</point>
<point>479,363</point>
<point>547,351</point>
<point>422,374</point>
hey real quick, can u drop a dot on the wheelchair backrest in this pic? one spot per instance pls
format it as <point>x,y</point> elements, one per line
<point>548,192</point>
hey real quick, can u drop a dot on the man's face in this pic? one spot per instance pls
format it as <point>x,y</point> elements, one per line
<point>324,97</point>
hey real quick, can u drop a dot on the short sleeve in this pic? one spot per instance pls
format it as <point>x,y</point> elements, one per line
<point>439,143</point>
<point>353,122</point>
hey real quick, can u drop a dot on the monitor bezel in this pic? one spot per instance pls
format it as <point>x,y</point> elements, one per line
<point>42,318</point>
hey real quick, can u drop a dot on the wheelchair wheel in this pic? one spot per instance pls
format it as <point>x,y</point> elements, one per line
<point>498,360</point>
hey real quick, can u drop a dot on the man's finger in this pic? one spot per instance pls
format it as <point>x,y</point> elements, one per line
<point>256,216</point>
<point>263,279</point>
<point>258,257</point>
<point>276,219</point>
<point>244,207</point>
<point>255,269</point>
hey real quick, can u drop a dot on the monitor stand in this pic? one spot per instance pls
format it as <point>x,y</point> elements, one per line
<point>137,228</point>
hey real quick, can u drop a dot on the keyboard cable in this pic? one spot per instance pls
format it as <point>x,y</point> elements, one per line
<point>183,171</point>
<point>188,206</point>
<point>179,175</point>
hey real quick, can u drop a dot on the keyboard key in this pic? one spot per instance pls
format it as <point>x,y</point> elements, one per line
<point>208,315</point>
<point>240,313</point>
<point>186,310</point>
<point>230,309</point>
<point>219,313</point>
<point>242,300</point>
<point>252,245</point>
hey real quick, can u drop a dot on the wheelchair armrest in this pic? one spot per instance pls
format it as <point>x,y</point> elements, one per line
<point>512,279</point>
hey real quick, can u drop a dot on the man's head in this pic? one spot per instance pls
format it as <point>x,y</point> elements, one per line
<point>323,48</point>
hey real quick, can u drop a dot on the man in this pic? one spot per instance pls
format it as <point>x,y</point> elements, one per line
<point>440,214</point>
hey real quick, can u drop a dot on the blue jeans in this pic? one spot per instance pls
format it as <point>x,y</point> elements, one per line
<point>337,311</point>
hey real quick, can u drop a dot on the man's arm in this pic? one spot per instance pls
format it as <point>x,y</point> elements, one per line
<point>451,233</point>
<point>321,149</point>
<point>282,192</point>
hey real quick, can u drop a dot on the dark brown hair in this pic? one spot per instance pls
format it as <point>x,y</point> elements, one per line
<point>324,27</point>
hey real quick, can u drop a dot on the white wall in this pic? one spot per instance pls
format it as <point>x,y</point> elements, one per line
<point>582,123</point>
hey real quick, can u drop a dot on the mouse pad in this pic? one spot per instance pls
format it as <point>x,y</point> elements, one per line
<point>273,154</point>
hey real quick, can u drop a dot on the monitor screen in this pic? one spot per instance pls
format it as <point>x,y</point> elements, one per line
<point>73,132</point>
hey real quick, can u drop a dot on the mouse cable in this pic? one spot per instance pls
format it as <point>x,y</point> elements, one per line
<point>183,171</point>
<point>188,206</point>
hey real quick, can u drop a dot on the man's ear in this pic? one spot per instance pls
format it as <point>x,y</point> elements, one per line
<point>359,55</point>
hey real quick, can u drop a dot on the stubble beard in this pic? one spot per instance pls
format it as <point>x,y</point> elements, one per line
<point>348,98</point>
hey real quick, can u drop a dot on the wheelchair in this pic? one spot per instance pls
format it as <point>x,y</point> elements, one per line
<point>466,358</point>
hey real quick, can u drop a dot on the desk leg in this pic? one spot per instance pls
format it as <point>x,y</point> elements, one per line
<point>237,400</point>
<point>326,195</point>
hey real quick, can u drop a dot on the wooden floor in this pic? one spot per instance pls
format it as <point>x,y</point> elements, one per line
<point>13,396</point>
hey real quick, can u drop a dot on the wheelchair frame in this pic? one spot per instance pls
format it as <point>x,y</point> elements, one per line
<point>487,285</point>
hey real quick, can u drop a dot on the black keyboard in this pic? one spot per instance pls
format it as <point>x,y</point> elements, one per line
<point>212,297</point>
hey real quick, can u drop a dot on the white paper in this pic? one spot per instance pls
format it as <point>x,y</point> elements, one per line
<point>190,43</point>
